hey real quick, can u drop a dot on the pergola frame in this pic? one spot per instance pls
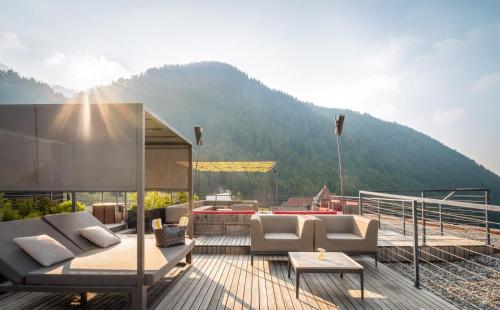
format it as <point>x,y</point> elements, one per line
<point>45,148</point>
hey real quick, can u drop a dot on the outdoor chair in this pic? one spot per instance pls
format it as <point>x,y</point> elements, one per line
<point>174,213</point>
<point>280,234</point>
<point>351,234</point>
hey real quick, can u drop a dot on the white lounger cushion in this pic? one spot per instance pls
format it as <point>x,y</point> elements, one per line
<point>44,249</point>
<point>99,236</point>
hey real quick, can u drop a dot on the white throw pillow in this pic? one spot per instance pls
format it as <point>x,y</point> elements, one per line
<point>99,236</point>
<point>44,249</point>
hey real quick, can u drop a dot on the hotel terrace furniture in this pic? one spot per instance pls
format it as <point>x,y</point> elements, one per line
<point>94,269</point>
<point>351,234</point>
<point>280,234</point>
<point>174,213</point>
<point>334,262</point>
<point>91,148</point>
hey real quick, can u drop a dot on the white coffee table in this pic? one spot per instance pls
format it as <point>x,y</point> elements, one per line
<point>334,262</point>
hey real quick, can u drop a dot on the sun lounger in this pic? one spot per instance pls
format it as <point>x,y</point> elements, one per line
<point>94,269</point>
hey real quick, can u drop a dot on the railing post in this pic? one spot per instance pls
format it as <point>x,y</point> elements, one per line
<point>360,203</point>
<point>73,202</point>
<point>415,244</point>
<point>486,219</point>
<point>378,211</point>
<point>423,219</point>
<point>440,219</point>
<point>404,219</point>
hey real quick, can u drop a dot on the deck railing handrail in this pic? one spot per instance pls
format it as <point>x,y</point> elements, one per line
<point>422,220</point>
<point>460,204</point>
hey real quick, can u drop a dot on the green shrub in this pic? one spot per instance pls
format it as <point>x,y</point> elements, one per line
<point>32,208</point>
<point>155,200</point>
<point>66,206</point>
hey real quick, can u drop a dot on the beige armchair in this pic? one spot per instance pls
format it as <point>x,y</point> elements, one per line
<point>351,234</point>
<point>280,234</point>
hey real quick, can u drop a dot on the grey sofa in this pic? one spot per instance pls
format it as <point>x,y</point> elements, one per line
<point>94,269</point>
<point>351,234</point>
<point>280,234</point>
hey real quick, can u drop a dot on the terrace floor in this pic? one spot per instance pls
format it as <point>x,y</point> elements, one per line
<point>230,282</point>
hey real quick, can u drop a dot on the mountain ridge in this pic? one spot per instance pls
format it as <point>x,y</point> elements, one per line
<point>246,120</point>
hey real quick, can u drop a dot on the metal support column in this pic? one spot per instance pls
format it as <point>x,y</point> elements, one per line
<point>416,266</point>
<point>486,219</point>
<point>190,194</point>
<point>440,218</point>
<point>140,300</point>
<point>360,203</point>
<point>73,202</point>
<point>423,219</point>
<point>378,211</point>
<point>404,219</point>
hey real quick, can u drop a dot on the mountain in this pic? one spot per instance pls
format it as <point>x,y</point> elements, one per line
<point>66,92</point>
<point>15,89</point>
<point>245,120</point>
<point>4,67</point>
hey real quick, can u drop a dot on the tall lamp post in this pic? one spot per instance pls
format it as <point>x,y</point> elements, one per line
<point>198,132</point>
<point>339,123</point>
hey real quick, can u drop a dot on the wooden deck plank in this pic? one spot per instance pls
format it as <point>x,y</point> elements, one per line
<point>214,284</point>
<point>214,301</point>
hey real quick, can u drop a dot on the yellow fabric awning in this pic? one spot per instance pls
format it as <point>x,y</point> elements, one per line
<point>236,166</point>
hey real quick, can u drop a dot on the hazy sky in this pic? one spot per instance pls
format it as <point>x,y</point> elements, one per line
<point>434,66</point>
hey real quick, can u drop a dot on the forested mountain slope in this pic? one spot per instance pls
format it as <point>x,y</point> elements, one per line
<point>245,120</point>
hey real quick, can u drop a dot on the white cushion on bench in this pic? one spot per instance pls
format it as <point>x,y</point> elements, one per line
<point>99,236</point>
<point>44,249</point>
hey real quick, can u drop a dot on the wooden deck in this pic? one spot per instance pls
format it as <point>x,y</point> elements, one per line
<point>230,282</point>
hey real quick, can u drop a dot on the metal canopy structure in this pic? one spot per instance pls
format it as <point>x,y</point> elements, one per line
<point>94,147</point>
<point>236,166</point>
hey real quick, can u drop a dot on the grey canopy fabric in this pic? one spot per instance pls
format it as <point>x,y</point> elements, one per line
<point>89,147</point>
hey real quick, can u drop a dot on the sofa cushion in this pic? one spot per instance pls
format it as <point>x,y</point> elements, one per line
<point>281,236</point>
<point>99,236</point>
<point>279,223</point>
<point>342,236</point>
<point>44,249</point>
<point>174,213</point>
<point>115,265</point>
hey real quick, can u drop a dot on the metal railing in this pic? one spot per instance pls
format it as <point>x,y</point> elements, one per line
<point>453,244</point>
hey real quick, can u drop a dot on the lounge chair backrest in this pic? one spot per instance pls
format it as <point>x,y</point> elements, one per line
<point>174,213</point>
<point>14,262</point>
<point>69,225</point>
<point>279,223</point>
<point>337,223</point>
